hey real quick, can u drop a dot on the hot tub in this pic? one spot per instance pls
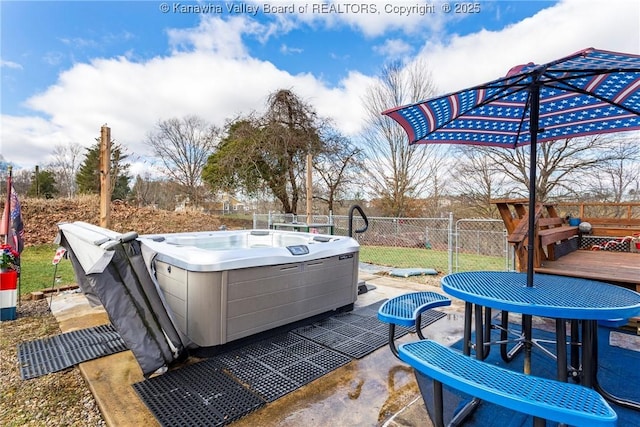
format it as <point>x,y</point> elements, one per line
<point>226,285</point>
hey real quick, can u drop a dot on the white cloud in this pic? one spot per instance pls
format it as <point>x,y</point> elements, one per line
<point>553,33</point>
<point>210,73</point>
<point>10,64</point>
<point>288,50</point>
<point>27,140</point>
<point>377,17</point>
<point>343,103</point>
<point>216,35</point>
<point>53,58</point>
<point>393,48</point>
<point>131,97</point>
<point>79,42</point>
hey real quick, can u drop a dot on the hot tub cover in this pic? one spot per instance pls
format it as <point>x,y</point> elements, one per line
<point>111,271</point>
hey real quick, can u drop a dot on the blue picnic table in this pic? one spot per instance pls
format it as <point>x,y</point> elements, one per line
<point>558,297</point>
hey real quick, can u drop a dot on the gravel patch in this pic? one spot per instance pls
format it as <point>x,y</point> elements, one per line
<point>58,399</point>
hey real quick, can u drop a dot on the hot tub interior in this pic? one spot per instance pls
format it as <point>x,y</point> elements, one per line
<point>245,240</point>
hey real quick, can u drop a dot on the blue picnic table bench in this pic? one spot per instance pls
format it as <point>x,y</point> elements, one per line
<point>542,398</point>
<point>406,310</point>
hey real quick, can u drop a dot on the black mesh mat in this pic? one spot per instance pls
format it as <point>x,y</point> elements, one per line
<point>279,365</point>
<point>53,354</point>
<point>222,389</point>
<point>605,243</point>
<point>359,332</point>
<point>197,395</point>
<point>237,381</point>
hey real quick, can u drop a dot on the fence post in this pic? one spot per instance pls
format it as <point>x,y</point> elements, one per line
<point>450,242</point>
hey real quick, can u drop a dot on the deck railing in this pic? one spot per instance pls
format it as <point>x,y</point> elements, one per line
<point>612,211</point>
<point>606,219</point>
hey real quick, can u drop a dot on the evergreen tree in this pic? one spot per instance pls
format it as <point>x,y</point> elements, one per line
<point>88,177</point>
<point>43,184</point>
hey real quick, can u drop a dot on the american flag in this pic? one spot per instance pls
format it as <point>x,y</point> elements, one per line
<point>15,234</point>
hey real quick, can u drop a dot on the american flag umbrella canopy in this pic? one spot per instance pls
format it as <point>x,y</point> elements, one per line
<point>589,92</point>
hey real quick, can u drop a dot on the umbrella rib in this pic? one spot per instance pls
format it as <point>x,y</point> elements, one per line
<point>495,84</point>
<point>503,93</point>
<point>527,107</point>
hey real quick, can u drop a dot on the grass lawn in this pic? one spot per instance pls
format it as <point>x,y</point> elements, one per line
<point>38,271</point>
<point>427,258</point>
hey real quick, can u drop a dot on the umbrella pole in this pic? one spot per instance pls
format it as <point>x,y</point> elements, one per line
<point>533,128</point>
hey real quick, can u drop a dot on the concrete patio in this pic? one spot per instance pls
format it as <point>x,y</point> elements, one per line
<point>376,390</point>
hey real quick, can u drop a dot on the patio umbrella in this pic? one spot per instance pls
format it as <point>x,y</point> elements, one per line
<point>589,92</point>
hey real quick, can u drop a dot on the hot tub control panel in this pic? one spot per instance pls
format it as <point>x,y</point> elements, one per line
<point>298,249</point>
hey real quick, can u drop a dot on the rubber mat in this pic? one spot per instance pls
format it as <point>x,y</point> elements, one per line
<point>359,332</point>
<point>197,395</point>
<point>225,387</point>
<point>279,365</point>
<point>53,354</point>
<point>222,389</point>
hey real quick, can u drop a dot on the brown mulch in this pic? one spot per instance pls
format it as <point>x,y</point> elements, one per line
<point>41,217</point>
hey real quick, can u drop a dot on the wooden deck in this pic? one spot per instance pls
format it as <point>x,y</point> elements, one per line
<point>554,254</point>
<point>620,268</point>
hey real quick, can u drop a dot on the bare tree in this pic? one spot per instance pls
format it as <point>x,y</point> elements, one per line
<point>617,178</point>
<point>183,146</point>
<point>477,179</point>
<point>562,166</point>
<point>398,172</point>
<point>336,167</point>
<point>22,179</point>
<point>66,162</point>
<point>158,193</point>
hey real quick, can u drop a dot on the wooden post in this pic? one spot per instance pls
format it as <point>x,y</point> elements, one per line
<point>37,176</point>
<point>309,191</point>
<point>105,177</point>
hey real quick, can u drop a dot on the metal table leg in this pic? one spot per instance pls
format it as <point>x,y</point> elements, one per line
<point>466,344</point>
<point>561,349</point>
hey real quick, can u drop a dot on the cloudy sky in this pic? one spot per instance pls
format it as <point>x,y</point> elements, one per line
<point>67,68</point>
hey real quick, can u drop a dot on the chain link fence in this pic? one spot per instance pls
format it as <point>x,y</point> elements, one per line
<point>441,244</point>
